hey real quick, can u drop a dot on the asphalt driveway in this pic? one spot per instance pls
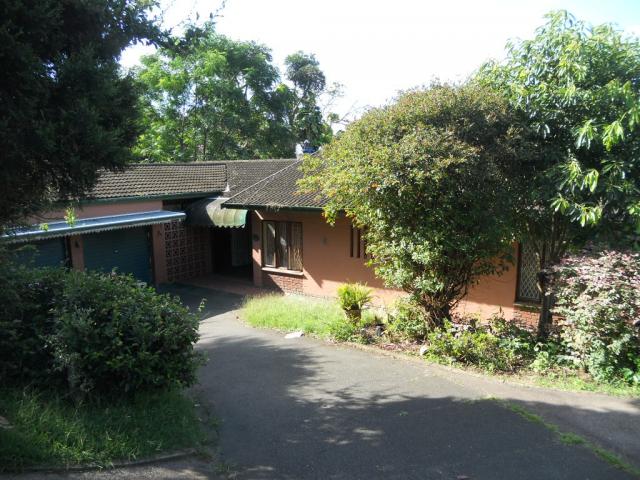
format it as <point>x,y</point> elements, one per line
<point>307,409</point>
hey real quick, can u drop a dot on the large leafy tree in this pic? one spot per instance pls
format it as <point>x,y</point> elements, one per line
<point>65,108</point>
<point>209,97</point>
<point>430,178</point>
<point>308,84</point>
<point>579,89</point>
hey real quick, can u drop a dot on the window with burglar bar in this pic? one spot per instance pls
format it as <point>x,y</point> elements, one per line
<point>527,274</point>
<point>282,245</point>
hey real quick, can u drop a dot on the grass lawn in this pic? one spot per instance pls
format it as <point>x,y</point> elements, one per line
<point>47,430</point>
<point>291,313</point>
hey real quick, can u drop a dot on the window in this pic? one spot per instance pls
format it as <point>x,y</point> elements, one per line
<point>527,274</point>
<point>357,245</point>
<point>282,245</point>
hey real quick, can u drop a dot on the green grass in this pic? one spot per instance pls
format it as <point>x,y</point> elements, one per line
<point>48,430</point>
<point>291,313</point>
<point>569,438</point>
<point>576,383</point>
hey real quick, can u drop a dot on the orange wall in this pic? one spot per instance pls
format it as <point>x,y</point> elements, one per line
<point>327,264</point>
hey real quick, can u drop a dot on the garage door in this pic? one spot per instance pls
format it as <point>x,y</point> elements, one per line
<point>45,253</point>
<point>126,250</point>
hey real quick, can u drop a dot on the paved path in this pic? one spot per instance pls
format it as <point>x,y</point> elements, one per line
<point>306,409</point>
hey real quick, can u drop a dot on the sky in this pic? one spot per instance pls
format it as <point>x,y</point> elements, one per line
<point>377,48</point>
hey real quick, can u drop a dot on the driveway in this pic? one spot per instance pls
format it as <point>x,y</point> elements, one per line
<point>307,409</point>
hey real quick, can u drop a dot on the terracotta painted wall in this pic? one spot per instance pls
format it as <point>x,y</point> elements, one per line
<point>327,264</point>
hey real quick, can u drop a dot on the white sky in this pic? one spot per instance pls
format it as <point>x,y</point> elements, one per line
<point>376,48</point>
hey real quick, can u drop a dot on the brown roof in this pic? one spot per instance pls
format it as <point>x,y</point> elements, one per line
<point>161,180</point>
<point>242,174</point>
<point>279,190</point>
<point>180,179</point>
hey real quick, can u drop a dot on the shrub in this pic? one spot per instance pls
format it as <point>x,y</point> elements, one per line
<point>92,332</point>
<point>27,297</point>
<point>349,331</point>
<point>598,297</point>
<point>408,320</point>
<point>352,297</point>
<point>113,336</point>
<point>499,346</point>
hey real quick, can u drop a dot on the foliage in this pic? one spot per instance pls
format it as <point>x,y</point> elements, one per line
<point>46,429</point>
<point>598,298</point>
<point>113,336</point>
<point>66,109</point>
<point>429,176</point>
<point>98,335</point>
<point>501,346</point>
<point>291,313</point>
<point>303,110</point>
<point>353,296</point>
<point>26,299</point>
<point>209,97</point>
<point>576,88</point>
<point>577,85</point>
<point>408,320</point>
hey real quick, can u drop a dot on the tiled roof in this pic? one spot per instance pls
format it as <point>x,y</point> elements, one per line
<point>245,173</point>
<point>279,190</point>
<point>160,180</point>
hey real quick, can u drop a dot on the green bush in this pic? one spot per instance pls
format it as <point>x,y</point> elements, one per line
<point>349,331</point>
<point>93,333</point>
<point>113,336</point>
<point>407,320</point>
<point>27,297</point>
<point>353,296</point>
<point>598,299</point>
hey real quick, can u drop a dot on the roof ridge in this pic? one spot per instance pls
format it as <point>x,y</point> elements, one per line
<point>265,179</point>
<point>210,162</point>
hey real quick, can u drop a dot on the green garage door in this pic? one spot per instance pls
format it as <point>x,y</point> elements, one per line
<point>126,250</point>
<point>45,253</point>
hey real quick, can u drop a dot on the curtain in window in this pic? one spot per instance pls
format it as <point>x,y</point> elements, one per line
<point>295,257</point>
<point>283,245</point>
<point>269,243</point>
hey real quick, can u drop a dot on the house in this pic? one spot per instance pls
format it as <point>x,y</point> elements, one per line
<point>174,222</point>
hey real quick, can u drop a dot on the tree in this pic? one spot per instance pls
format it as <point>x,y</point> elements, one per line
<point>430,178</point>
<point>577,86</point>
<point>65,109</point>
<point>208,97</point>
<point>304,114</point>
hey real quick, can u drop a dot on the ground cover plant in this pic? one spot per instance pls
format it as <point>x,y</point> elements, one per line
<point>47,429</point>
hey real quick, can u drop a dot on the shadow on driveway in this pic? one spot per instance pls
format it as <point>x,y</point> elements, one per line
<point>304,409</point>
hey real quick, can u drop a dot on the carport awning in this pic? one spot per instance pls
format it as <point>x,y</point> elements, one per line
<point>209,213</point>
<point>90,225</point>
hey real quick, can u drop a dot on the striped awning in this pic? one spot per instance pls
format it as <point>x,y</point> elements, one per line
<point>61,228</point>
<point>209,213</point>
